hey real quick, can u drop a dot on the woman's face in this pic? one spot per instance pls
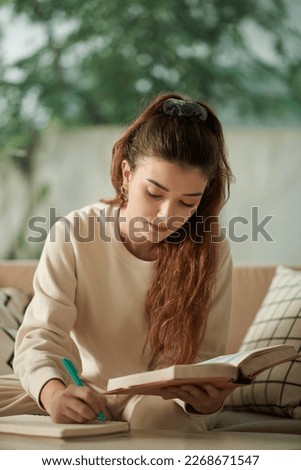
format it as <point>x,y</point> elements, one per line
<point>161,197</point>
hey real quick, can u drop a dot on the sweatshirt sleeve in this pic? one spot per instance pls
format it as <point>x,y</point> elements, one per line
<point>44,337</point>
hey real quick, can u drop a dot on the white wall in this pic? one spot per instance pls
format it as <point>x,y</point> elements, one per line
<point>267,167</point>
<point>266,163</point>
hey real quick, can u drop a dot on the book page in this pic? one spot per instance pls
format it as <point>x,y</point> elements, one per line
<point>235,358</point>
<point>254,361</point>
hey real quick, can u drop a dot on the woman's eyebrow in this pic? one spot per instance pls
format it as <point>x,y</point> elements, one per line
<point>159,185</point>
<point>193,194</point>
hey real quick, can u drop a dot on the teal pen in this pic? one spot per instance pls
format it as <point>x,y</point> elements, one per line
<point>77,380</point>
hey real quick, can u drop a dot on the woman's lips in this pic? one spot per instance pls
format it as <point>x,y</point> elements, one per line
<point>158,228</point>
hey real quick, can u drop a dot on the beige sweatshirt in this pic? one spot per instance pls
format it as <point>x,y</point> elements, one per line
<point>89,305</point>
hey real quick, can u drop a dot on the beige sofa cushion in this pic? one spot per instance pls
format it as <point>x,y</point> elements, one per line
<point>18,273</point>
<point>278,321</point>
<point>250,284</point>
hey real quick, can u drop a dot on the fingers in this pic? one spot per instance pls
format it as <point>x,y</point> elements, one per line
<point>206,392</point>
<point>88,397</point>
<point>185,393</point>
<point>87,403</point>
<point>205,399</point>
<point>79,405</point>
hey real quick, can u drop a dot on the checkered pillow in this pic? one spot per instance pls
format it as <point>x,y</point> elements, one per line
<point>278,321</point>
<point>13,303</point>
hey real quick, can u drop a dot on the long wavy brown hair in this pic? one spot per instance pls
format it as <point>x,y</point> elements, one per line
<point>178,299</point>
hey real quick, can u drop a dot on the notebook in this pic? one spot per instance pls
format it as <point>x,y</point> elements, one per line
<point>37,425</point>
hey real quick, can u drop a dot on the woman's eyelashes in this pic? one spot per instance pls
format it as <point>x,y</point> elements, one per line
<point>186,205</point>
<point>149,193</point>
<point>157,196</point>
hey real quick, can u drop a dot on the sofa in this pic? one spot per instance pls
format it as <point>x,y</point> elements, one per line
<point>252,290</point>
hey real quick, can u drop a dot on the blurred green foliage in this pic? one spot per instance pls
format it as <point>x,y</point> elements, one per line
<point>97,60</point>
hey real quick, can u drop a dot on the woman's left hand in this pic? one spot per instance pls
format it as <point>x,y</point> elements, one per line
<point>205,398</point>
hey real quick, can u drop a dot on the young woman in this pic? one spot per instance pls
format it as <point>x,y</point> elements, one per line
<point>135,283</point>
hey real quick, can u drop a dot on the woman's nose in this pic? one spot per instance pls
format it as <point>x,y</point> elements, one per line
<point>164,212</point>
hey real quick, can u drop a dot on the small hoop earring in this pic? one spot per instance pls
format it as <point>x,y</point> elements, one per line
<point>124,193</point>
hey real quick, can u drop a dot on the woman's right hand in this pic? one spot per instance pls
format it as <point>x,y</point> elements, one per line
<point>72,404</point>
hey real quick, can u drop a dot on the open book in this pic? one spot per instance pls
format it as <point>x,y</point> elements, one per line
<point>240,368</point>
<point>37,425</point>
